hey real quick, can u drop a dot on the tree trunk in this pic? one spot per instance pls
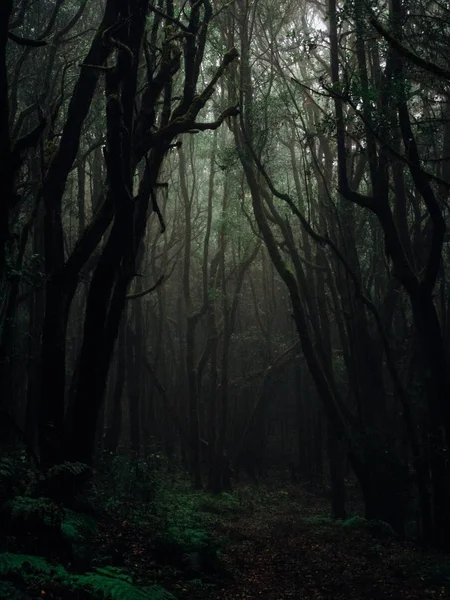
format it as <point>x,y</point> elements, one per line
<point>6,168</point>
<point>112,436</point>
<point>336,461</point>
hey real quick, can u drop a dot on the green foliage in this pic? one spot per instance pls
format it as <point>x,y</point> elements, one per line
<point>12,474</point>
<point>55,528</point>
<point>73,531</point>
<point>112,584</point>
<point>7,472</point>
<point>219,505</point>
<point>27,565</point>
<point>354,522</point>
<point>76,525</point>
<point>183,538</point>
<point>125,479</point>
<point>381,529</point>
<point>186,539</point>
<point>375,527</point>
<point>108,583</point>
<point>320,521</point>
<point>78,529</point>
<point>32,513</point>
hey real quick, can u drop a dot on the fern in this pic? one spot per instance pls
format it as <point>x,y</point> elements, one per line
<point>7,469</point>
<point>354,522</point>
<point>76,525</point>
<point>27,564</point>
<point>78,529</point>
<point>320,521</point>
<point>185,539</point>
<point>222,504</point>
<point>11,472</point>
<point>112,586</point>
<point>32,512</point>
<point>68,469</point>
<point>108,583</point>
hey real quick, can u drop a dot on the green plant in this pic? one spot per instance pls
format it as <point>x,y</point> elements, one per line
<point>221,504</point>
<point>183,538</point>
<point>27,565</point>
<point>55,527</point>
<point>354,522</point>
<point>31,513</point>
<point>112,584</point>
<point>78,529</point>
<point>12,475</point>
<point>320,521</point>
<point>109,583</point>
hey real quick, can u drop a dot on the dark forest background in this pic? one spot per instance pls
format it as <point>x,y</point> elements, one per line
<point>223,240</point>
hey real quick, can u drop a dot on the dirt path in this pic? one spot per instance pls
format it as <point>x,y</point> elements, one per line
<point>286,548</point>
<point>279,556</point>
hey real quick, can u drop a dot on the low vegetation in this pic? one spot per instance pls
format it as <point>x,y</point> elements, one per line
<point>141,533</point>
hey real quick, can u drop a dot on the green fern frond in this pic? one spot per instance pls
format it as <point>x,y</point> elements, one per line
<point>71,469</point>
<point>108,583</point>
<point>78,530</point>
<point>24,511</point>
<point>7,467</point>
<point>28,564</point>
<point>76,526</point>
<point>24,506</point>
<point>355,522</point>
<point>11,471</point>
<point>156,592</point>
<point>187,539</point>
<point>111,584</point>
<point>319,521</point>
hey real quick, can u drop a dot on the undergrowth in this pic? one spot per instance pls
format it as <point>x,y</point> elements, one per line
<point>69,533</point>
<point>184,521</point>
<point>47,540</point>
<point>355,523</point>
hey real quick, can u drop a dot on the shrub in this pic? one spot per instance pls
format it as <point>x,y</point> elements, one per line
<point>109,583</point>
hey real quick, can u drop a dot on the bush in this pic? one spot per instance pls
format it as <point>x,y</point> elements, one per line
<point>39,576</point>
<point>183,539</point>
<point>47,524</point>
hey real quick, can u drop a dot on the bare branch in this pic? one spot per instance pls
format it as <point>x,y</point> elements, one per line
<point>408,54</point>
<point>26,41</point>
<point>147,291</point>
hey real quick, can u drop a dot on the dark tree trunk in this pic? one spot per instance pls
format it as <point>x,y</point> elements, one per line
<point>302,447</point>
<point>6,168</point>
<point>336,458</point>
<point>112,436</point>
<point>61,283</point>
<point>134,361</point>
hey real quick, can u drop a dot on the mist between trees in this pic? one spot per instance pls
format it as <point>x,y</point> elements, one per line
<point>223,235</point>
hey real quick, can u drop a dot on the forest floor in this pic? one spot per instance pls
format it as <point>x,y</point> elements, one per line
<point>280,544</point>
<point>282,555</point>
<point>142,533</point>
